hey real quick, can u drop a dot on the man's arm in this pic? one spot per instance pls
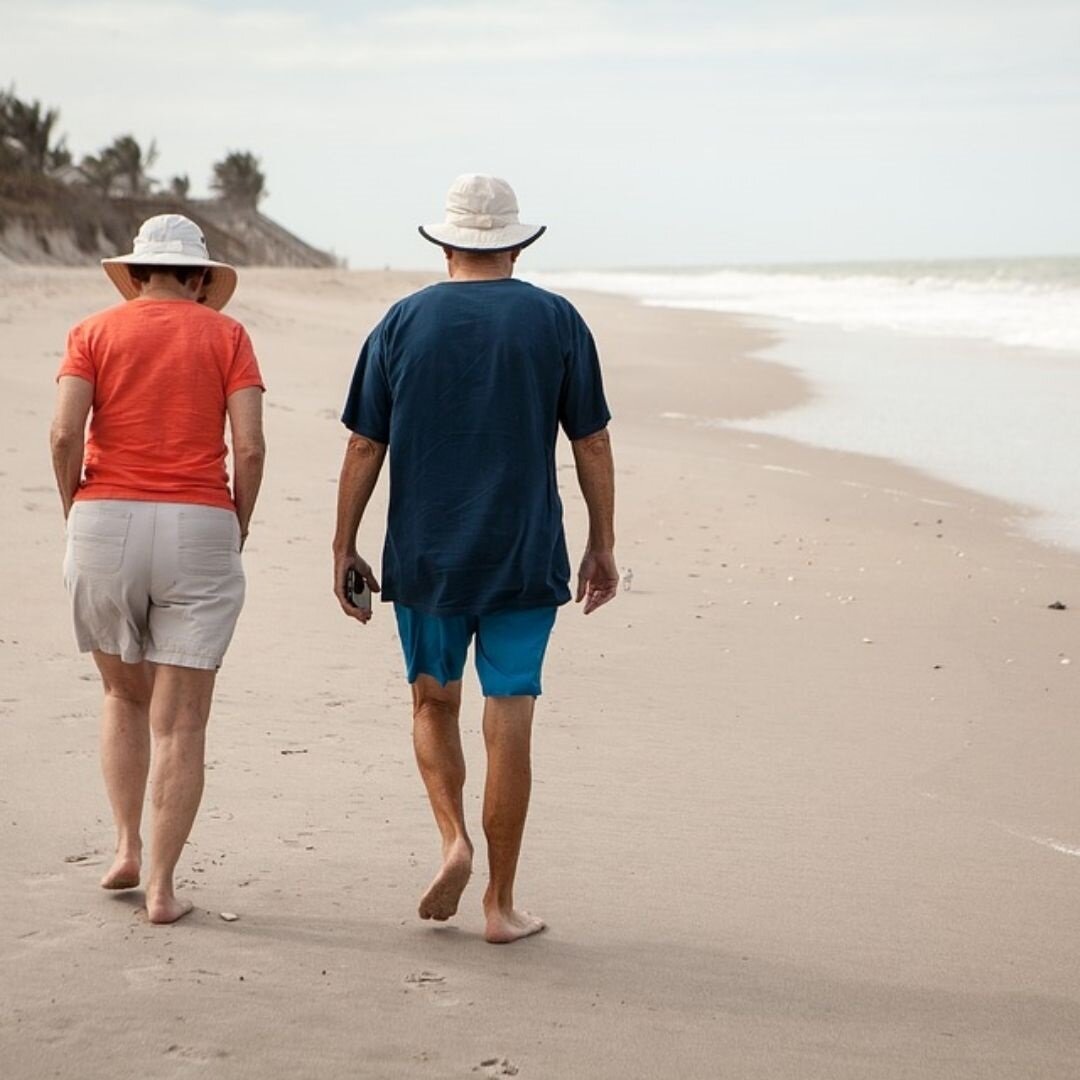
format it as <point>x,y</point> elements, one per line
<point>67,436</point>
<point>249,452</point>
<point>359,473</point>
<point>598,577</point>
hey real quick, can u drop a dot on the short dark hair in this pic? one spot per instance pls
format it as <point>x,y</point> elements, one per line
<point>480,256</point>
<point>183,274</point>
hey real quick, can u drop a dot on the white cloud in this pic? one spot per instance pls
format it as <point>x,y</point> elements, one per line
<point>379,104</point>
<point>496,34</point>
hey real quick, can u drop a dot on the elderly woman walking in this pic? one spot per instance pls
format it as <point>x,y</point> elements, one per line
<point>154,530</point>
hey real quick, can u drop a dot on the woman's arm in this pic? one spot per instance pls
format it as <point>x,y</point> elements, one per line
<point>249,451</point>
<point>67,436</point>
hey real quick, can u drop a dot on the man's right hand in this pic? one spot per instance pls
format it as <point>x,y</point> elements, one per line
<point>342,565</point>
<point>598,579</point>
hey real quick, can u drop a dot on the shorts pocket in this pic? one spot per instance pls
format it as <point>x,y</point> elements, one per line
<point>98,538</point>
<point>208,542</point>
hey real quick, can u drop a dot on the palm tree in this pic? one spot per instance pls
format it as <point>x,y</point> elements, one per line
<point>100,172</point>
<point>239,179</point>
<point>59,157</point>
<point>180,187</point>
<point>26,131</point>
<point>132,163</point>
<point>9,148</point>
<point>120,165</point>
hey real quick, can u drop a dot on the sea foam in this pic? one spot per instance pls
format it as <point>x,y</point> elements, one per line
<point>1032,302</point>
<point>966,370</point>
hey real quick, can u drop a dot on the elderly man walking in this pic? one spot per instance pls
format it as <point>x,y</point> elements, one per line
<point>467,383</point>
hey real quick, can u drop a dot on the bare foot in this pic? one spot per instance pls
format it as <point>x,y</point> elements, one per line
<point>123,874</point>
<point>166,909</point>
<point>442,896</point>
<point>506,926</point>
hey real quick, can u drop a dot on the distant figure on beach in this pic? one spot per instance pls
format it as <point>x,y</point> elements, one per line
<point>468,382</point>
<point>627,579</point>
<point>154,532</point>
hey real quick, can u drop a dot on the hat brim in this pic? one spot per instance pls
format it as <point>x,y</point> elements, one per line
<point>507,238</point>
<point>218,292</point>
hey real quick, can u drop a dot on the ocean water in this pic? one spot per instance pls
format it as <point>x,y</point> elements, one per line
<point>1012,301</point>
<point>969,370</point>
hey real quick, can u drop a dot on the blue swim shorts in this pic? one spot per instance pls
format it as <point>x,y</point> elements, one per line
<point>510,647</point>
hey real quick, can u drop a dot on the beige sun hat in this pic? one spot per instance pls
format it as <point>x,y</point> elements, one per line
<point>481,215</point>
<point>171,240</point>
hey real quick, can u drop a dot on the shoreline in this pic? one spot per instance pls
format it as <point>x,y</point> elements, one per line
<point>795,795</point>
<point>783,390</point>
<point>935,430</point>
<point>936,439</point>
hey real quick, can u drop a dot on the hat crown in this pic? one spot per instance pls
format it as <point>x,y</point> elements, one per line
<point>477,201</point>
<point>481,215</point>
<point>170,234</point>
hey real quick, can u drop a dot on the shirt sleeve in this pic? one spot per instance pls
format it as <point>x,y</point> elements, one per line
<point>583,409</point>
<point>77,357</point>
<point>244,369</point>
<point>368,406</point>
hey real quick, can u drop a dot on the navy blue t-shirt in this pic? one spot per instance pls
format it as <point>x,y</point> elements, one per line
<point>468,383</point>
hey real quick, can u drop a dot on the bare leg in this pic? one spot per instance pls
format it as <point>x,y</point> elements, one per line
<point>179,709</point>
<point>508,734</point>
<point>125,759</point>
<point>437,742</point>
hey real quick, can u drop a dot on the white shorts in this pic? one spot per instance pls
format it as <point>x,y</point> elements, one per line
<point>154,581</point>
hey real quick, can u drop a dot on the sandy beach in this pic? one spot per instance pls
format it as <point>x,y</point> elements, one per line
<point>805,802</point>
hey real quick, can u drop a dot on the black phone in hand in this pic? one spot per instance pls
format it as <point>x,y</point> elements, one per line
<point>357,590</point>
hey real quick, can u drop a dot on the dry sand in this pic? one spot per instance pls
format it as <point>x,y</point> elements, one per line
<point>805,800</point>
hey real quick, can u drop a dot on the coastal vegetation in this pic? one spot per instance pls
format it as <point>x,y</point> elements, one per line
<point>30,146</point>
<point>56,208</point>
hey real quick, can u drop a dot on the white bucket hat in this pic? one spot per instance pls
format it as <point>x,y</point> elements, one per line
<point>171,240</point>
<point>481,215</point>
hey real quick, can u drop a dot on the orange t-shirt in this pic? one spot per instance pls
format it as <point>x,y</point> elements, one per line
<point>162,371</point>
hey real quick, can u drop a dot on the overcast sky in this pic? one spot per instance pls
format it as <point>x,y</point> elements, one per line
<point>675,133</point>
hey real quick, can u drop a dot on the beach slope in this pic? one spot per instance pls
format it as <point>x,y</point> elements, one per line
<point>804,803</point>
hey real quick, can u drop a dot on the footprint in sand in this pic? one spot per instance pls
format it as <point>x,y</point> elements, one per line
<point>60,935</point>
<point>434,985</point>
<point>44,878</point>
<point>199,1055</point>
<point>84,858</point>
<point>152,975</point>
<point>497,1067</point>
